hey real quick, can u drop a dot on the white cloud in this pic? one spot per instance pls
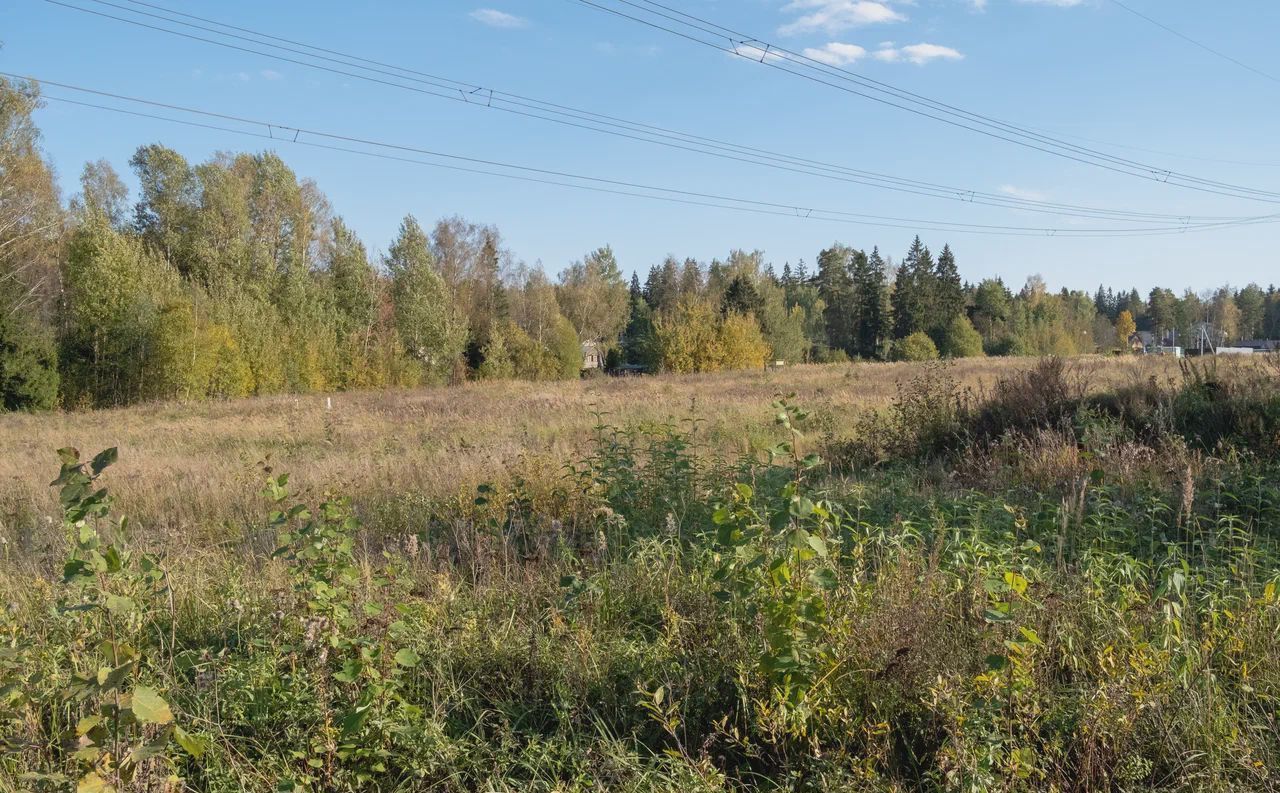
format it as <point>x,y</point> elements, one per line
<point>271,74</point>
<point>754,52</point>
<point>834,16</point>
<point>498,19</point>
<point>1018,192</point>
<point>836,53</point>
<point>978,5</point>
<point>1058,3</point>
<point>919,54</point>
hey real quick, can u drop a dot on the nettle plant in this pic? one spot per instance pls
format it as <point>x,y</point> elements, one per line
<point>359,683</point>
<point>111,601</point>
<point>774,561</point>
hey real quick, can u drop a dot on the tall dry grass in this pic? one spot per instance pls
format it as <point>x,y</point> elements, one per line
<point>191,469</point>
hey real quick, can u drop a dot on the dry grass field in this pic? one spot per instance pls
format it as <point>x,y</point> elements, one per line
<point>190,467</point>
<point>1016,575</point>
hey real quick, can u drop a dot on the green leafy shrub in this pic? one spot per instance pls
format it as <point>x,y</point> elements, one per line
<point>961,339</point>
<point>916,347</point>
<point>111,600</point>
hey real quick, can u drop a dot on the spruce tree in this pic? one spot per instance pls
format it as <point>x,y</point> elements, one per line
<point>872,299</point>
<point>835,287</point>
<point>742,297</point>
<point>913,293</point>
<point>948,297</point>
<point>1100,303</point>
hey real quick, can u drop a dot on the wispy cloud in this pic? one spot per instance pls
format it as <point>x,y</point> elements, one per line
<point>271,74</point>
<point>498,19</point>
<point>836,54</point>
<point>754,52</point>
<point>1059,3</point>
<point>834,16</point>
<point>1018,192</point>
<point>919,54</point>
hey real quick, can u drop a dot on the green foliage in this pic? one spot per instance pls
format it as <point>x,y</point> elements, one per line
<point>836,288</point>
<point>116,290</point>
<point>916,347</point>
<point>624,628</point>
<point>914,292</point>
<point>426,319</point>
<point>594,297</point>
<point>112,596</point>
<point>565,351</point>
<point>774,557</point>
<point>961,339</point>
<point>234,277</point>
<point>357,678</point>
<point>28,364</point>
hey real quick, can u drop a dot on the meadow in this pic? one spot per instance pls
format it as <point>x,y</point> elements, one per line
<point>983,575</point>
<point>187,467</point>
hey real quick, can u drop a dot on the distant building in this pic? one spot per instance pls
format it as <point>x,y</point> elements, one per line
<point>592,356</point>
<point>1261,345</point>
<point>1140,341</point>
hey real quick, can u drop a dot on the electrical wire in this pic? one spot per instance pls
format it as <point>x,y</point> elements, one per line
<point>1202,46</point>
<point>600,184</point>
<point>479,96</point>
<point>774,56</point>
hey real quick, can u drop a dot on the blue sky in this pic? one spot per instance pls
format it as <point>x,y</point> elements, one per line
<point>1081,68</point>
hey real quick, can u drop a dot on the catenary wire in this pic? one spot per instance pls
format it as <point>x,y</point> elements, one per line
<point>775,56</point>
<point>1199,44</point>
<point>460,91</point>
<point>615,186</point>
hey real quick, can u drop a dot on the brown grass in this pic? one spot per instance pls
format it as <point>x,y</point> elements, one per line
<point>191,468</point>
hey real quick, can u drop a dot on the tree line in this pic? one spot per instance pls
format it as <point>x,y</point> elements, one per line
<point>234,276</point>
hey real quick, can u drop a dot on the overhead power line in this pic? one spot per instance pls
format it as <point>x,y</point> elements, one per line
<point>475,95</point>
<point>1201,45</point>
<point>290,134</point>
<point>715,36</point>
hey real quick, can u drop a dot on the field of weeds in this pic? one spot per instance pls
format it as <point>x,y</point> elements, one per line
<point>1015,575</point>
